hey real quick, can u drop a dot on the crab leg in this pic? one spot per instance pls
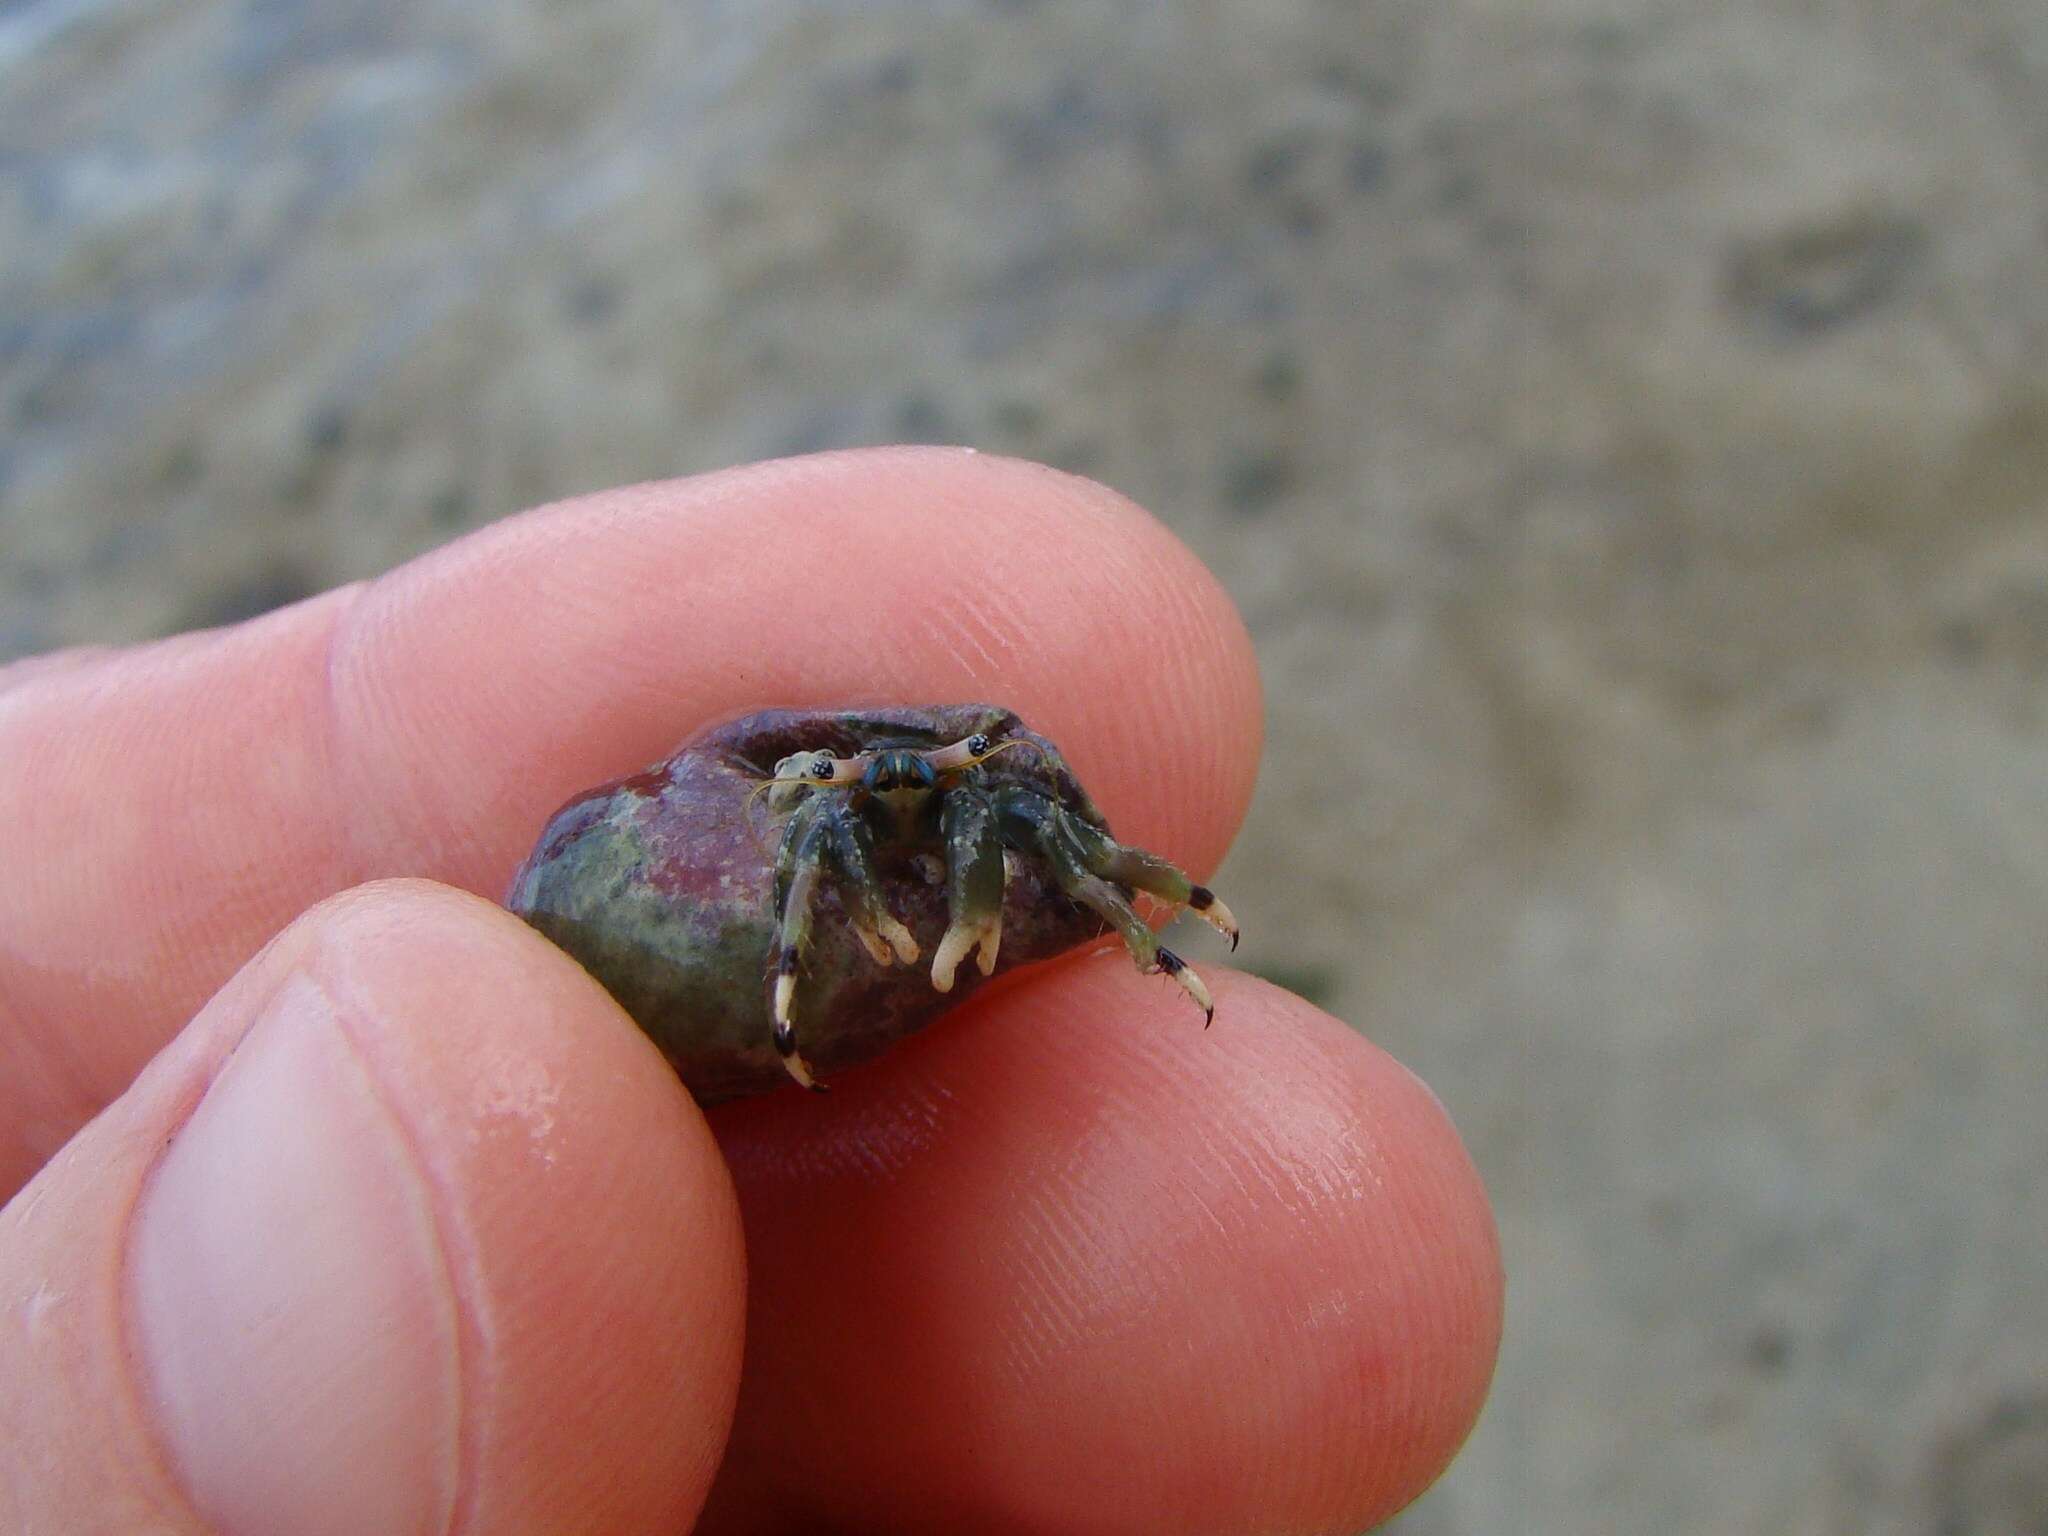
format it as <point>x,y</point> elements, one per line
<point>974,886</point>
<point>798,869</point>
<point>853,849</point>
<point>1147,872</point>
<point>1036,822</point>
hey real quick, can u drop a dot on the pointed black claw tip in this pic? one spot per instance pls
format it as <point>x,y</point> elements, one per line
<point>1233,943</point>
<point>1208,1017</point>
<point>818,1087</point>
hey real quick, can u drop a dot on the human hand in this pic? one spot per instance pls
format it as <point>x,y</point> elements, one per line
<point>399,1225</point>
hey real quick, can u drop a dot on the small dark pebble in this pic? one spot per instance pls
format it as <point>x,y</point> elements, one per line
<point>1252,482</point>
<point>1817,278</point>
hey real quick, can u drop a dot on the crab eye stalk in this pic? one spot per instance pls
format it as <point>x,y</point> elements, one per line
<point>964,753</point>
<point>806,770</point>
<point>824,768</point>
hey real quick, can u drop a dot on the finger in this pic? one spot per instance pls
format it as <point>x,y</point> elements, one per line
<point>409,1231</point>
<point>1074,1264</point>
<point>165,810</point>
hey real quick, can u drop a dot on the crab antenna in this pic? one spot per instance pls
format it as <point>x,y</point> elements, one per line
<point>761,787</point>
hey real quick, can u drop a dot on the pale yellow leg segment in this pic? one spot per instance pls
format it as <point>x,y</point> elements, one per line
<point>785,1034</point>
<point>883,936</point>
<point>983,939</point>
<point>877,948</point>
<point>976,872</point>
<point>1190,983</point>
<point>797,888</point>
<point>1214,913</point>
<point>899,938</point>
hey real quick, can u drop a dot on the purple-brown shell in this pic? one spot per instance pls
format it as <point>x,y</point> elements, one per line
<point>662,886</point>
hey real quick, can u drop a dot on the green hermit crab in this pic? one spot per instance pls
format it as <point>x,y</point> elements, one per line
<point>763,902</point>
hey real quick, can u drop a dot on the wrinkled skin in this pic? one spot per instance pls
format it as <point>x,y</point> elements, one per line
<point>665,887</point>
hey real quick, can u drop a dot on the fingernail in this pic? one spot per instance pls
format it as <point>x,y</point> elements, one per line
<point>290,1298</point>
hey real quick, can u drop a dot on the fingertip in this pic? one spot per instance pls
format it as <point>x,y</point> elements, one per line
<point>873,576</point>
<point>1317,1257</point>
<point>1116,1273</point>
<point>409,1229</point>
<point>430,720</point>
<point>589,1226</point>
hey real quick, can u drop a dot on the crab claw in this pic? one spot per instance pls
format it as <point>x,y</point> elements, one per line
<point>986,937</point>
<point>899,938</point>
<point>1192,984</point>
<point>1203,903</point>
<point>872,942</point>
<point>886,939</point>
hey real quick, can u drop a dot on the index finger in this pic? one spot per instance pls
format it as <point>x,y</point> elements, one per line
<point>167,809</point>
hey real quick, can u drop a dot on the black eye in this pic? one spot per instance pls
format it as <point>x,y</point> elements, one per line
<point>977,746</point>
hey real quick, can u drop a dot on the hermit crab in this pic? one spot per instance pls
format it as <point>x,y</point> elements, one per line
<point>792,892</point>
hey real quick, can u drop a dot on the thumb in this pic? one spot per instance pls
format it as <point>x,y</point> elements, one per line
<point>409,1231</point>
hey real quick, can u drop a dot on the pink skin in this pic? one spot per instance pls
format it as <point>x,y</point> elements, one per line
<point>1062,1264</point>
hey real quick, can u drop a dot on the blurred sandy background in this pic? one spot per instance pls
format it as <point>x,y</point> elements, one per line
<point>1624,424</point>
